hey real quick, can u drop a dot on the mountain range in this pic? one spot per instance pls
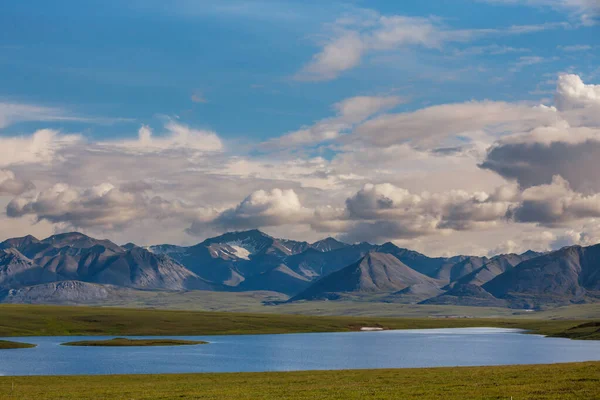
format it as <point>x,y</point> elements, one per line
<point>73,267</point>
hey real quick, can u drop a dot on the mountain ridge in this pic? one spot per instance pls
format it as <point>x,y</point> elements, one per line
<point>255,261</point>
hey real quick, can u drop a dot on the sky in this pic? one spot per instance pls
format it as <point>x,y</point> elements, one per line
<point>470,126</point>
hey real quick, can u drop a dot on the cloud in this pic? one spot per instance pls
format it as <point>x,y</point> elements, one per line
<point>11,113</point>
<point>10,185</point>
<point>102,206</point>
<point>352,37</point>
<point>178,136</point>
<point>572,93</point>
<point>465,121</point>
<point>533,163</point>
<point>575,48</point>
<point>555,204</point>
<point>526,61</point>
<point>41,147</point>
<point>349,112</point>
<point>262,209</point>
<point>568,147</point>
<point>585,10</point>
<point>198,97</point>
<point>380,212</point>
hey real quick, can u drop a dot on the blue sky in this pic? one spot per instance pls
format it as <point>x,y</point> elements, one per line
<point>138,60</point>
<point>469,126</point>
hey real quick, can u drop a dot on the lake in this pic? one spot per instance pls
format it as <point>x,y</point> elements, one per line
<point>289,352</point>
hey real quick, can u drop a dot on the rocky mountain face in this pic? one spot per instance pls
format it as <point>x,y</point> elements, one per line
<point>63,292</point>
<point>374,273</point>
<point>76,257</point>
<point>466,295</point>
<point>569,275</point>
<point>68,266</point>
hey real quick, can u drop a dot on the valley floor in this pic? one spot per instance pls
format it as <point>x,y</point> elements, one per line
<point>556,381</point>
<point>37,320</point>
<point>273,303</point>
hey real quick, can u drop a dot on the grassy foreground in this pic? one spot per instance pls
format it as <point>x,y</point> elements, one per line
<point>556,381</point>
<point>7,344</point>
<point>124,342</point>
<point>30,320</point>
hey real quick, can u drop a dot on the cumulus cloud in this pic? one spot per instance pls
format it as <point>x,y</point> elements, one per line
<point>101,206</point>
<point>41,147</point>
<point>10,185</point>
<point>178,136</point>
<point>568,147</point>
<point>572,93</point>
<point>387,212</point>
<point>555,204</point>
<point>262,209</point>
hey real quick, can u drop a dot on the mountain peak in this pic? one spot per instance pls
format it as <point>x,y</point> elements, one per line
<point>65,236</point>
<point>19,242</point>
<point>374,273</point>
<point>80,241</point>
<point>328,244</point>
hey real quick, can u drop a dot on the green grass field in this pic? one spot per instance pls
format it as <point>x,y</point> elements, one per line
<point>253,302</point>
<point>30,320</point>
<point>7,344</point>
<point>579,381</point>
<point>124,342</point>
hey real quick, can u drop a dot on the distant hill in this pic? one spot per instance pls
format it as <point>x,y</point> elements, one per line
<point>466,295</point>
<point>374,273</point>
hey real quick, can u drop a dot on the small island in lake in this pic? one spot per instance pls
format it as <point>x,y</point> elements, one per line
<point>118,342</point>
<point>7,344</point>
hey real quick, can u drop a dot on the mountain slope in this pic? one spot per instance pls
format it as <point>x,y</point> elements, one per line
<point>63,292</point>
<point>76,257</point>
<point>466,295</point>
<point>494,267</point>
<point>328,244</point>
<point>568,275</point>
<point>374,273</point>
<point>279,279</point>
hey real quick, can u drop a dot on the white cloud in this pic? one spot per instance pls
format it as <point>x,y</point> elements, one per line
<point>102,206</point>
<point>575,47</point>
<point>466,122</point>
<point>262,209</point>
<point>585,10</point>
<point>11,113</point>
<point>572,93</point>
<point>352,37</point>
<point>178,136</point>
<point>41,147</point>
<point>10,185</point>
<point>349,112</point>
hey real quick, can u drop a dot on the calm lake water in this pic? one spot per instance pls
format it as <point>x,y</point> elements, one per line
<point>312,351</point>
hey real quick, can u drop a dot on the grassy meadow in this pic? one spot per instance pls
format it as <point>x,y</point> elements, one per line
<point>576,381</point>
<point>8,344</point>
<point>125,342</point>
<point>35,320</point>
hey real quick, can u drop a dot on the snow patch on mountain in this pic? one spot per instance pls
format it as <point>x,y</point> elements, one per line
<point>241,252</point>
